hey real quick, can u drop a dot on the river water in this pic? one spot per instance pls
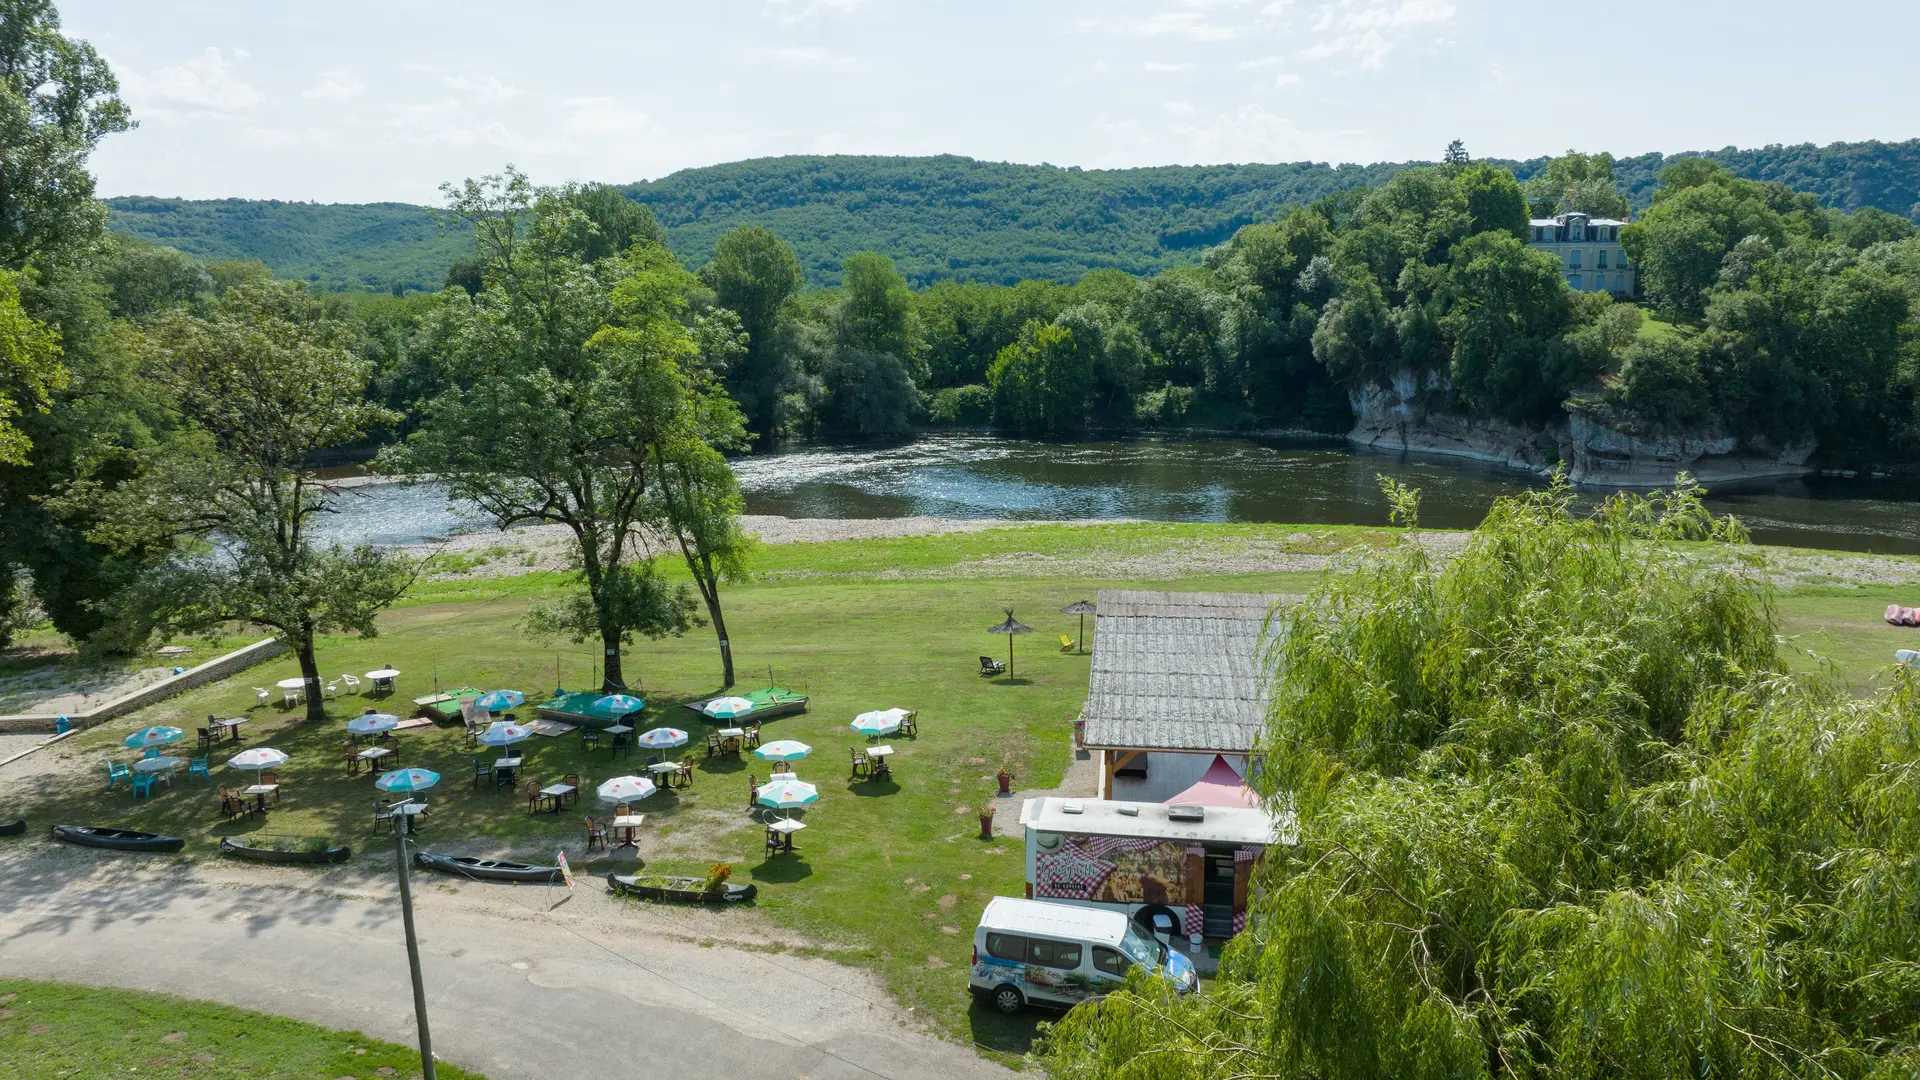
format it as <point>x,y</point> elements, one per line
<point>1173,479</point>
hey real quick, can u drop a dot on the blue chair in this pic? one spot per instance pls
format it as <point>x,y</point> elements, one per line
<point>153,751</point>
<point>117,771</point>
<point>142,785</point>
<point>198,767</point>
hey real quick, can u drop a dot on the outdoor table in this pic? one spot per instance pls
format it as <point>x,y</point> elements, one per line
<point>631,823</point>
<point>880,754</point>
<point>731,737</point>
<point>409,811</point>
<point>503,769</point>
<point>295,683</point>
<point>373,754</point>
<point>555,792</point>
<point>617,729</point>
<point>230,726</point>
<point>780,834</point>
<point>383,678</point>
<point>260,793</point>
<point>156,764</point>
<point>664,770</point>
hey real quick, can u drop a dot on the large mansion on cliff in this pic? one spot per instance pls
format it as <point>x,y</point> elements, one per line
<point>1588,249</point>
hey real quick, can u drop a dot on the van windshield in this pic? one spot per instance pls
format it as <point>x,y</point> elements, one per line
<point>1143,950</point>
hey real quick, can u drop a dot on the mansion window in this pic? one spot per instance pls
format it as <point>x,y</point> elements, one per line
<point>1573,259</point>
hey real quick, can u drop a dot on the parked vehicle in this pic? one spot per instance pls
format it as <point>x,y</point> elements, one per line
<point>1028,952</point>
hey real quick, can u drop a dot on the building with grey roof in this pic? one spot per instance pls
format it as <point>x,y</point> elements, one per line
<point>1589,252</point>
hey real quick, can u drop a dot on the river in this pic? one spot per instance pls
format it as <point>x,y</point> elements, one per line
<point>1172,479</point>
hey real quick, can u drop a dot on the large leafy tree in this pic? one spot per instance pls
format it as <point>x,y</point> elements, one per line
<point>1043,383</point>
<point>755,274</point>
<point>30,369</point>
<point>58,99</point>
<point>1576,182</point>
<point>261,383</point>
<point>1556,811</point>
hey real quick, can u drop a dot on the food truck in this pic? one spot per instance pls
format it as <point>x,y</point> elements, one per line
<point>1173,868</point>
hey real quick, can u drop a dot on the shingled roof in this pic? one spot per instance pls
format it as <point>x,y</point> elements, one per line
<point>1178,671</point>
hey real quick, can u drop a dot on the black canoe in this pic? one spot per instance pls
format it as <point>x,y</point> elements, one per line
<point>14,827</point>
<point>488,869</point>
<point>241,850</point>
<point>117,839</point>
<point>691,890</point>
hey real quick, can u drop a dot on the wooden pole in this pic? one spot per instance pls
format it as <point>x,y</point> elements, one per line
<point>413,945</point>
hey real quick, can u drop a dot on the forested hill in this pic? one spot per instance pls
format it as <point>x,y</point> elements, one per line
<point>938,217</point>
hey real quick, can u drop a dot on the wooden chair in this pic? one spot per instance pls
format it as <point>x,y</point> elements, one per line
<point>535,798</point>
<point>862,764</point>
<point>573,780</point>
<point>391,761</point>
<point>910,723</point>
<point>353,758</point>
<point>229,806</point>
<point>713,743</point>
<point>686,771</point>
<point>780,767</point>
<point>596,834</point>
<point>622,809</point>
<point>752,737</point>
<point>271,777</point>
<point>753,792</point>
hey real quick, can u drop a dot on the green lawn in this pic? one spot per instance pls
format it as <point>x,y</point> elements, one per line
<point>890,875</point>
<point>57,1030</point>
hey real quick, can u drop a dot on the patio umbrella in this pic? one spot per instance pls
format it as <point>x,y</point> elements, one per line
<point>372,724</point>
<point>619,704</point>
<point>257,759</point>
<point>783,750</point>
<point>1011,627</point>
<point>787,794</point>
<point>663,739</point>
<point>404,780</point>
<point>627,789</point>
<point>1082,608</point>
<point>501,733</point>
<point>883,722</point>
<point>727,708</point>
<point>1903,657</point>
<point>148,737</point>
<point>501,700</point>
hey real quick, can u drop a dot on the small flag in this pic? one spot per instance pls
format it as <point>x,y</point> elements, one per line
<point>566,872</point>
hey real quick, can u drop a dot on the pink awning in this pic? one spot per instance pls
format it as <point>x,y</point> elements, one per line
<point>1221,786</point>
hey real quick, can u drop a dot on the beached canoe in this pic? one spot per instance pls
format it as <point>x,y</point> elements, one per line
<point>14,827</point>
<point>240,849</point>
<point>691,890</point>
<point>487,869</point>
<point>117,839</point>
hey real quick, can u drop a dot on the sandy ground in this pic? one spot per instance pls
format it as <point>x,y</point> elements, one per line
<point>522,982</point>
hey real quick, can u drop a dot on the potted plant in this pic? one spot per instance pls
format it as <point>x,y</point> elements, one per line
<point>986,823</point>
<point>717,876</point>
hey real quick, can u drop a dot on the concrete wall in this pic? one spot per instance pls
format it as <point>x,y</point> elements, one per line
<point>211,671</point>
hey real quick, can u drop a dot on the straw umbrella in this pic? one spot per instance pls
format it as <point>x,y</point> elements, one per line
<point>1082,608</point>
<point>1011,627</point>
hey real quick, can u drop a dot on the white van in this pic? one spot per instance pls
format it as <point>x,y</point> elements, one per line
<point>1031,952</point>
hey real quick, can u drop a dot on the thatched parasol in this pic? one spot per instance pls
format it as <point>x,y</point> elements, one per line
<point>1082,608</point>
<point>1011,627</point>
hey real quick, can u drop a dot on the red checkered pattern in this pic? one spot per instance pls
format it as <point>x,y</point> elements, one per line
<point>1196,919</point>
<point>1239,921</point>
<point>1069,874</point>
<point>1103,846</point>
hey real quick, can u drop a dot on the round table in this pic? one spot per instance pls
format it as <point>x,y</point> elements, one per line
<point>156,764</point>
<point>383,673</point>
<point>291,684</point>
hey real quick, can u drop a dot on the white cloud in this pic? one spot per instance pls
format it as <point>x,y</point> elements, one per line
<point>808,55</point>
<point>205,83</point>
<point>1282,81</point>
<point>488,89</point>
<point>1258,62</point>
<point>792,13</point>
<point>1158,66</point>
<point>1367,30</point>
<point>1177,108</point>
<point>1189,21</point>
<point>335,86</point>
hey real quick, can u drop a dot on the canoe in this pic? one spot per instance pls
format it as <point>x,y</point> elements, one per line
<point>240,849</point>
<point>14,827</point>
<point>487,869</point>
<point>117,839</point>
<point>690,890</point>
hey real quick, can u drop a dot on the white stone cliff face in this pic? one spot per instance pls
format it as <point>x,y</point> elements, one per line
<point>1392,420</point>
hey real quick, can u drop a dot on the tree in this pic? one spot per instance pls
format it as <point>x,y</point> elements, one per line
<point>539,422</point>
<point>1698,216</point>
<point>1507,315</point>
<point>30,369</point>
<point>754,274</point>
<point>1494,201</point>
<point>613,223</point>
<point>876,314</point>
<point>1577,183</point>
<point>1043,382</point>
<point>262,382</point>
<point>58,99</point>
<point>1456,158</point>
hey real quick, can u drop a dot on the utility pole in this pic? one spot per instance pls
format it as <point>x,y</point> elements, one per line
<point>413,943</point>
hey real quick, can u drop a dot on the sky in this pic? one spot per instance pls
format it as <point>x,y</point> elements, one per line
<point>360,101</point>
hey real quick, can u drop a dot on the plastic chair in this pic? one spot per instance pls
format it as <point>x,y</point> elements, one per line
<point>861,765</point>
<point>198,767</point>
<point>333,690</point>
<point>117,771</point>
<point>589,738</point>
<point>620,745</point>
<point>596,834</point>
<point>260,696</point>
<point>482,770</point>
<point>910,723</point>
<point>142,784</point>
<point>1066,643</point>
<point>351,682</point>
<point>290,698</point>
<point>686,771</point>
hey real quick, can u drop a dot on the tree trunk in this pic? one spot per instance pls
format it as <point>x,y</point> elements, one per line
<point>310,671</point>
<point>612,681</point>
<point>710,592</point>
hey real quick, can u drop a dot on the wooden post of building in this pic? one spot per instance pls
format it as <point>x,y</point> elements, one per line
<point>1196,874</point>
<point>1242,880</point>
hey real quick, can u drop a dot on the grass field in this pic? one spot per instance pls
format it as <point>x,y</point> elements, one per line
<point>890,875</point>
<point>56,1030</point>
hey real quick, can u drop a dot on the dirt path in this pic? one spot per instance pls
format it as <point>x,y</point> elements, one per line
<point>596,987</point>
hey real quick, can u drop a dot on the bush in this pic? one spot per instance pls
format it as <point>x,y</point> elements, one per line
<point>962,406</point>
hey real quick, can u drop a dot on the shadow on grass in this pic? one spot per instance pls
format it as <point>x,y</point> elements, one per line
<point>784,869</point>
<point>996,1030</point>
<point>1012,682</point>
<point>872,788</point>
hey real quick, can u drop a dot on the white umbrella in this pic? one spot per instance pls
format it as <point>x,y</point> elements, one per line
<point>258,759</point>
<point>883,722</point>
<point>727,708</point>
<point>627,789</point>
<point>372,724</point>
<point>663,738</point>
<point>783,750</point>
<point>787,794</point>
<point>501,733</point>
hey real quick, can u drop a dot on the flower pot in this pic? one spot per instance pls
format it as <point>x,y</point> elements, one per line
<point>986,824</point>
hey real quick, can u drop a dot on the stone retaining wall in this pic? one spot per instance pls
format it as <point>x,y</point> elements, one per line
<point>213,670</point>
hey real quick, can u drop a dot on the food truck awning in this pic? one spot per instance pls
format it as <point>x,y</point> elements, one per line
<point>1221,786</point>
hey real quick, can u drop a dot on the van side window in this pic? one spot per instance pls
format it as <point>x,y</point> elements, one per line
<point>1109,961</point>
<point>1064,955</point>
<point>1007,947</point>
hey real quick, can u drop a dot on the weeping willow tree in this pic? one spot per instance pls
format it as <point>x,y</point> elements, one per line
<point>1562,813</point>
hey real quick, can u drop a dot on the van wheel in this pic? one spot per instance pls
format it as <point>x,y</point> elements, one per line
<point>1008,999</point>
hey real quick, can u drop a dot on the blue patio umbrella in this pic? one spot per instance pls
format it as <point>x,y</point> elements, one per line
<point>403,780</point>
<point>149,737</point>
<point>501,700</point>
<point>619,704</point>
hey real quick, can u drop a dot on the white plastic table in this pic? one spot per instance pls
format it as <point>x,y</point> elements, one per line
<point>784,828</point>
<point>230,725</point>
<point>631,823</point>
<point>617,729</point>
<point>662,768</point>
<point>294,683</point>
<point>730,732</point>
<point>260,793</point>
<point>374,753</point>
<point>879,751</point>
<point>156,764</point>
